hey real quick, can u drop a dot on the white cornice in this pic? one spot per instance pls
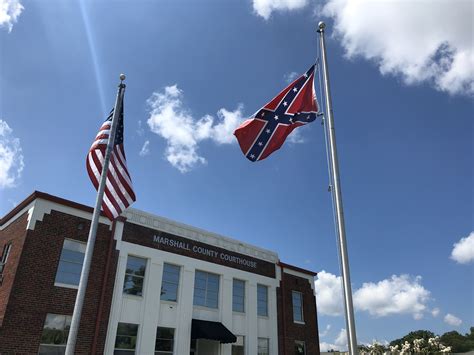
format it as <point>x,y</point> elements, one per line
<point>27,208</point>
<point>41,207</point>
<point>300,274</point>
<point>166,225</point>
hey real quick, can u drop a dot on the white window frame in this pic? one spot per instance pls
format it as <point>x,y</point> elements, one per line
<point>177,284</point>
<point>134,275</point>
<point>244,283</point>
<point>301,306</point>
<point>301,342</point>
<point>63,330</point>
<point>237,343</point>
<point>266,308</point>
<point>206,289</point>
<point>5,253</point>
<point>174,341</point>
<point>83,246</point>
<point>132,351</point>
<point>267,346</point>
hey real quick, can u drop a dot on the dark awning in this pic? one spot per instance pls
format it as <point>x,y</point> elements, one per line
<point>204,329</point>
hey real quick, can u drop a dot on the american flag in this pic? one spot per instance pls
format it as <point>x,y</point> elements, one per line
<point>267,129</point>
<point>119,192</point>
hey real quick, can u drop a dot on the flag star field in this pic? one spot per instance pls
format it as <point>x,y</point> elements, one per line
<point>402,84</point>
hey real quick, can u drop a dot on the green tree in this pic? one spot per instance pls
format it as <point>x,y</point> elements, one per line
<point>417,334</point>
<point>471,336</point>
<point>458,342</point>
<point>363,349</point>
<point>375,348</point>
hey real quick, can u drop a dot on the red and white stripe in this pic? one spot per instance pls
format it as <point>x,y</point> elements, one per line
<point>118,194</point>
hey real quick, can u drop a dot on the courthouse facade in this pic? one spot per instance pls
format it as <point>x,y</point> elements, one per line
<point>155,287</point>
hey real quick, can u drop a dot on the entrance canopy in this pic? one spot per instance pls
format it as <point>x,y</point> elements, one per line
<point>203,329</point>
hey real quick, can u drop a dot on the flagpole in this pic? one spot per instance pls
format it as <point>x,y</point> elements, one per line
<point>81,291</point>
<point>336,190</point>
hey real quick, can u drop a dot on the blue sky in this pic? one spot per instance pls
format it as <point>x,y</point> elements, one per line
<point>402,84</point>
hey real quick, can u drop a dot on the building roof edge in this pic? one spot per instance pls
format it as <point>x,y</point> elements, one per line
<point>44,196</point>
<point>296,268</point>
<point>132,215</point>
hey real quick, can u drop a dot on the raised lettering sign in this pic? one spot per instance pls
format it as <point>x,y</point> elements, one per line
<point>191,248</point>
<point>204,251</point>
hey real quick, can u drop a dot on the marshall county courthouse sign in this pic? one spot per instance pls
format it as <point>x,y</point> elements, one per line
<point>204,251</point>
<point>194,249</point>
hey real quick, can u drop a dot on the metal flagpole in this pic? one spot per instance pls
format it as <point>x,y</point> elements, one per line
<point>336,190</point>
<point>81,292</point>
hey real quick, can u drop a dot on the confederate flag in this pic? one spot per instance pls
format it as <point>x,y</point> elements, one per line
<point>267,129</point>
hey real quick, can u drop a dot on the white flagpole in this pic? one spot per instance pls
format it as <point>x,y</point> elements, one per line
<point>336,190</point>
<point>81,292</point>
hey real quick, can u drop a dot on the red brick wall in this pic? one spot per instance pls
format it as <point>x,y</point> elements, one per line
<point>34,294</point>
<point>15,234</point>
<point>288,330</point>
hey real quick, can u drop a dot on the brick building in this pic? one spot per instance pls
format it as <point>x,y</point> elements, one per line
<point>155,287</point>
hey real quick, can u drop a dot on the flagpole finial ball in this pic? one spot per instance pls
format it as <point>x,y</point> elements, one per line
<point>122,77</point>
<point>321,25</point>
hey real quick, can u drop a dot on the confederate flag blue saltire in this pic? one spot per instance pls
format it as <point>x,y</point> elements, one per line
<point>118,194</point>
<point>267,129</point>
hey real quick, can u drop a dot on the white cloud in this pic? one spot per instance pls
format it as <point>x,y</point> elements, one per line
<point>11,158</point>
<point>463,251</point>
<point>326,331</point>
<point>145,149</point>
<point>397,295</point>
<point>182,132</point>
<point>295,137</point>
<point>452,320</point>
<point>10,10</point>
<point>419,42</point>
<point>340,343</point>
<point>417,316</point>
<point>325,347</point>
<point>435,312</point>
<point>289,77</point>
<point>341,339</point>
<point>329,294</point>
<point>264,8</point>
<point>223,132</point>
<point>140,130</point>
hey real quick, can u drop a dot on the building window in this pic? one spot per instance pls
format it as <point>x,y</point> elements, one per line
<point>134,276</point>
<point>238,296</point>
<point>300,347</point>
<point>238,348</point>
<point>297,299</point>
<point>126,340</point>
<point>54,336</point>
<point>164,341</point>
<point>263,346</point>
<point>170,282</point>
<point>3,258</point>
<point>6,251</point>
<point>70,263</point>
<point>206,289</point>
<point>262,300</point>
